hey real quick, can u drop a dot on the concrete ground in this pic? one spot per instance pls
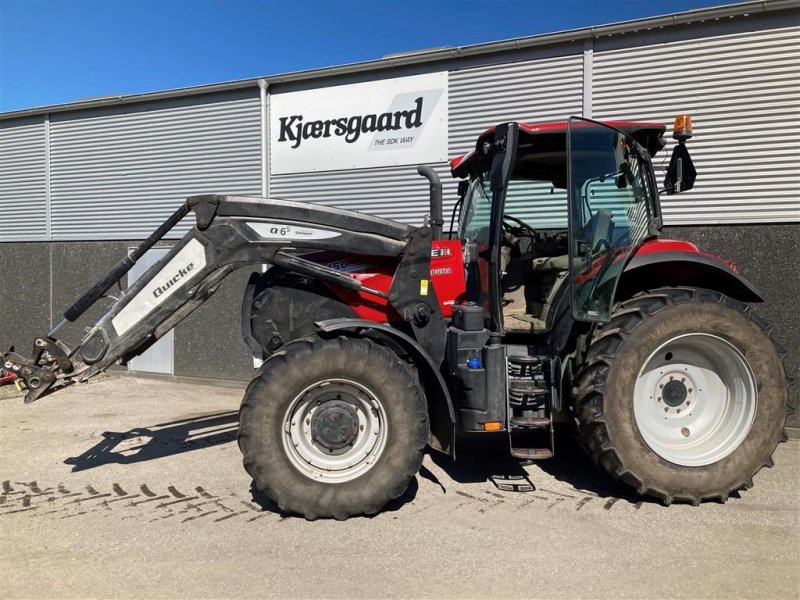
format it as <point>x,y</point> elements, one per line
<point>133,488</point>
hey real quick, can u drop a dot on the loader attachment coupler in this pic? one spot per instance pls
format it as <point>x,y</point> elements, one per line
<point>39,372</point>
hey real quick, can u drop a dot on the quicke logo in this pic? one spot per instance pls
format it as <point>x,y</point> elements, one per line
<point>183,272</point>
<point>294,130</point>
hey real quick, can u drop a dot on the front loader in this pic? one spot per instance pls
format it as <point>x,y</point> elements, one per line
<point>554,298</point>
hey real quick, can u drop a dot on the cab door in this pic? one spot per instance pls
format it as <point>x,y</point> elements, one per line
<point>609,212</point>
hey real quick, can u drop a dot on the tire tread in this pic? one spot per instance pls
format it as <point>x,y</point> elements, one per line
<point>592,379</point>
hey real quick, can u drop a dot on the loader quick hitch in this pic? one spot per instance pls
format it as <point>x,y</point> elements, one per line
<point>40,372</point>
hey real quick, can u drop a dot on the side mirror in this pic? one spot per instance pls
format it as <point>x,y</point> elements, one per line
<point>463,186</point>
<point>681,172</point>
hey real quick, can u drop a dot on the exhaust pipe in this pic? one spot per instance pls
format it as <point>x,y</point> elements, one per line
<point>436,220</point>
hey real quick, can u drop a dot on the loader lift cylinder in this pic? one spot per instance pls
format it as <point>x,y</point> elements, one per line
<point>94,293</point>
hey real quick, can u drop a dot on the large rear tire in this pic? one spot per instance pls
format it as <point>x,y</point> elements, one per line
<point>333,427</point>
<point>683,396</point>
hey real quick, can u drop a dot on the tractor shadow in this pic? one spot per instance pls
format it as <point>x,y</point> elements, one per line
<point>159,441</point>
<point>163,440</point>
<point>486,457</point>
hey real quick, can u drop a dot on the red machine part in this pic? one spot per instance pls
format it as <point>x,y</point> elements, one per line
<point>7,377</point>
<point>446,276</point>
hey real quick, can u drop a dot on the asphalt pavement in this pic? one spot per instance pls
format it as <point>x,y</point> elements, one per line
<point>133,488</point>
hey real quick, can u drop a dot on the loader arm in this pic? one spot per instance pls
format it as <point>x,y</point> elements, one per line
<point>230,232</point>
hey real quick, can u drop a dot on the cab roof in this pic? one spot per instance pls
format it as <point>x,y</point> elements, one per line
<point>553,134</point>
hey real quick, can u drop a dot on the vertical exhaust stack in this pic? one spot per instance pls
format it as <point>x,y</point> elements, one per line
<point>436,199</point>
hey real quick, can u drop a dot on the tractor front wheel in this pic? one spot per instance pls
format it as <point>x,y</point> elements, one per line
<point>683,395</point>
<point>333,427</point>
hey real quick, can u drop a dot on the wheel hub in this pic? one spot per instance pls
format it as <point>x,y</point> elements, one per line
<point>695,399</point>
<point>674,393</point>
<point>335,430</point>
<point>676,390</point>
<point>335,425</point>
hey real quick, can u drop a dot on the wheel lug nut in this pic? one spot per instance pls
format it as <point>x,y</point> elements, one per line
<point>688,402</point>
<point>666,409</point>
<point>661,386</point>
<point>679,411</point>
<point>690,390</point>
<point>671,378</point>
<point>685,432</point>
<point>683,378</point>
<point>659,398</point>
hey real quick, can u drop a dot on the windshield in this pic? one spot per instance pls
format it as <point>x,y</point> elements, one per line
<point>473,224</point>
<point>538,203</point>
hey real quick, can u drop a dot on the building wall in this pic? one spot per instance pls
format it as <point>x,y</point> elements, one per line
<point>46,278</point>
<point>77,186</point>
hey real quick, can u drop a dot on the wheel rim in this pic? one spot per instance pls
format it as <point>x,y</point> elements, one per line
<point>335,430</point>
<point>695,399</point>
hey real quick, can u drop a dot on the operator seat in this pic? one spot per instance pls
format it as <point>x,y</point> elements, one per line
<point>600,224</point>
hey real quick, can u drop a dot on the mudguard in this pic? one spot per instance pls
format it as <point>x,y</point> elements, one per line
<point>440,404</point>
<point>652,269</point>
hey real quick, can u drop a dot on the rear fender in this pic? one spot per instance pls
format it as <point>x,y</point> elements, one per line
<point>650,270</point>
<point>440,405</point>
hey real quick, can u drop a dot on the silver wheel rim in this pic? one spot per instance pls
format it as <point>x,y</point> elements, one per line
<point>695,399</point>
<point>306,416</point>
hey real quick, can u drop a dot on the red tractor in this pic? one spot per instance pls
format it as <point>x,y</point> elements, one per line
<point>554,297</point>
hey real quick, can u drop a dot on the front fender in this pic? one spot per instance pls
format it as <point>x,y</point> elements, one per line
<point>440,405</point>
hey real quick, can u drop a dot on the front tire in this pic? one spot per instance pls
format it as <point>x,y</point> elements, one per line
<point>333,427</point>
<point>683,395</point>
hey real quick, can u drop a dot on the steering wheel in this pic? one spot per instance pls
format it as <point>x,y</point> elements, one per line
<point>520,223</point>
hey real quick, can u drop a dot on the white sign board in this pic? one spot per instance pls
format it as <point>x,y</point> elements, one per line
<point>398,121</point>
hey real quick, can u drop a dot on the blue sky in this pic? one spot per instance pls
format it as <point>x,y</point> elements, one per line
<point>52,52</point>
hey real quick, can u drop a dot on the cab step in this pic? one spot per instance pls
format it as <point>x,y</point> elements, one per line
<point>532,389</point>
<point>532,453</point>
<point>530,422</point>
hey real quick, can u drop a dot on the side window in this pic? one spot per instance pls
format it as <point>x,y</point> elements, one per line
<point>610,212</point>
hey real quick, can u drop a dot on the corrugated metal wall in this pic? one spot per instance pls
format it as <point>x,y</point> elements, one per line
<point>23,184</point>
<point>743,92</point>
<point>393,192</point>
<point>117,174</point>
<point>532,90</point>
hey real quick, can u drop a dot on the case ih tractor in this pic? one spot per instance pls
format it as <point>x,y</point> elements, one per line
<point>553,297</point>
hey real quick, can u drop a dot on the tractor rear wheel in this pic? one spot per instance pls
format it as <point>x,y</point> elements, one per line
<point>333,427</point>
<point>683,395</point>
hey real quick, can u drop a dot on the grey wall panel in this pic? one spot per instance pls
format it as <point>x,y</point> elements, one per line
<point>116,174</point>
<point>23,188</point>
<point>532,90</point>
<point>24,294</point>
<point>743,93</point>
<point>397,193</point>
<point>208,343</point>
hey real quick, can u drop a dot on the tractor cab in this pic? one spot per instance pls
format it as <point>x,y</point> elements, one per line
<point>550,215</point>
